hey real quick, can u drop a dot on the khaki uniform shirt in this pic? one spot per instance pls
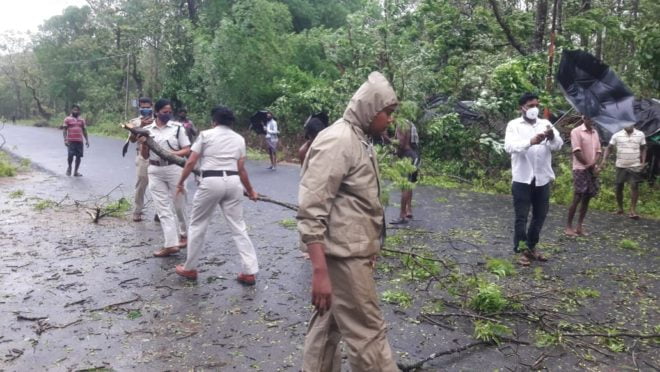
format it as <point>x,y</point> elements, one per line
<point>339,195</point>
<point>171,137</point>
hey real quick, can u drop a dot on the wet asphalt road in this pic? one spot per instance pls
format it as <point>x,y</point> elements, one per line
<point>63,267</point>
<point>104,168</point>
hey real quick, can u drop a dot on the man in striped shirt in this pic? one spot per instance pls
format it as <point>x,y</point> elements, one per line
<point>74,132</point>
<point>630,146</point>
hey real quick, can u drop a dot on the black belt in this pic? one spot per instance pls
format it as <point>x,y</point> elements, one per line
<point>218,173</point>
<point>159,163</point>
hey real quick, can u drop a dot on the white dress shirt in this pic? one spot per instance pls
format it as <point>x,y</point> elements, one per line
<point>529,162</point>
<point>219,148</point>
<point>271,129</point>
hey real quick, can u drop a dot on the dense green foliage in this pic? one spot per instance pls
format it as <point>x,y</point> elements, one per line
<point>301,56</point>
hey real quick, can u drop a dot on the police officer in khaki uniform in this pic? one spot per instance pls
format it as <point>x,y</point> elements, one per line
<point>221,152</point>
<point>141,164</point>
<point>341,223</point>
<point>163,177</point>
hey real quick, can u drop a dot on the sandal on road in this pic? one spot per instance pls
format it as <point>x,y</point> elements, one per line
<point>164,252</point>
<point>536,255</point>
<point>523,260</point>
<point>634,216</point>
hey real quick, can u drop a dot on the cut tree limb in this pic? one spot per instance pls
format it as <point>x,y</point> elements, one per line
<point>180,161</point>
<point>156,148</point>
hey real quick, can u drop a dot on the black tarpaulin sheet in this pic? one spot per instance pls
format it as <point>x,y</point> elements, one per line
<point>593,89</point>
<point>258,120</point>
<point>647,112</point>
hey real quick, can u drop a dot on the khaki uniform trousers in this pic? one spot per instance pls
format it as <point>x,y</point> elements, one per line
<point>355,317</point>
<point>227,192</point>
<point>141,183</point>
<point>162,185</point>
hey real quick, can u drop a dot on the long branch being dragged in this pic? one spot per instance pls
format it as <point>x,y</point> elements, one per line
<point>180,161</point>
<point>156,148</point>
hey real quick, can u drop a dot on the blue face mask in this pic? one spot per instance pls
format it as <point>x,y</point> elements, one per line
<point>146,112</point>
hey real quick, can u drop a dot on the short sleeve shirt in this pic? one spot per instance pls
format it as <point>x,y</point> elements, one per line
<point>74,129</point>
<point>628,148</point>
<point>219,148</point>
<point>587,142</point>
<point>171,137</point>
<point>271,129</point>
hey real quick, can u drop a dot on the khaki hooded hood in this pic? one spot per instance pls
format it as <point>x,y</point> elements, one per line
<point>339,204</point>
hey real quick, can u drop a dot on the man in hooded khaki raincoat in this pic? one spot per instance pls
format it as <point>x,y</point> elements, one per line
<point>341,223</point>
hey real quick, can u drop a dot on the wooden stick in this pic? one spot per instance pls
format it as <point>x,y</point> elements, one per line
<point>138,298</point>
<point>180,161</point>
<point>410,367</point>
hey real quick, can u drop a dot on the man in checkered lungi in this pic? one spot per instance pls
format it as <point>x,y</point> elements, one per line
<point>585,145</point>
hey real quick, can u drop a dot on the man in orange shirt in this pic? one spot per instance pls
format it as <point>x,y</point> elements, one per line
<point>585,145</point>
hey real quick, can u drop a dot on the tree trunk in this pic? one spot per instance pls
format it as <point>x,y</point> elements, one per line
<point>192,11</point>
<point>560,14</point>
<point>599,45</point>
<point>584,39</point>
<point>541,20</point>
<point>42,111</point>
<point>505,27</point>
<point>137,77</point>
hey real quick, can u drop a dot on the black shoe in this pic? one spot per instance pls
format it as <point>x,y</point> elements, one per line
<point>156,219</point>
<point>68,171</point>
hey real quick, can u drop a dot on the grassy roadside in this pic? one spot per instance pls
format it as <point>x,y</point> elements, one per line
<point>10,166</point>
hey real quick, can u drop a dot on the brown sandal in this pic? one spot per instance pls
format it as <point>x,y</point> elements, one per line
<point>523,260</point>
<point>538,256</point>
<point>164,252</point>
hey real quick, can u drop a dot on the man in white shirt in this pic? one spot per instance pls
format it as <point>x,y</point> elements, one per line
<point>630,146</point>
<point>271,140</point>
<point>530,141</point>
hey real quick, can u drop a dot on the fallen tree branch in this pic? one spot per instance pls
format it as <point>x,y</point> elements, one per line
<point>466,315</point>
<point>156,148</point>
<point>138,298</point>
<point>612,335</point>
<point>268,199</point>
<point>127,280</point>
<point>30,318</point>
<point>409,367</point>
<point>181,161</point>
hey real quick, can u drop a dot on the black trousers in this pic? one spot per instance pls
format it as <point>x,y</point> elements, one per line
<point>525,197</point>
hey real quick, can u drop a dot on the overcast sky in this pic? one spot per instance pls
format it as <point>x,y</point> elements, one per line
<point>27,15</point>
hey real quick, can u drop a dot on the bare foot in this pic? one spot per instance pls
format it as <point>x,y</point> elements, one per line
<point>570,232</point>
<point>633,215</point>
<point>582,232</point>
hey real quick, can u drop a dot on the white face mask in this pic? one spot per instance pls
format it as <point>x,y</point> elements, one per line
<point>532,113</point>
